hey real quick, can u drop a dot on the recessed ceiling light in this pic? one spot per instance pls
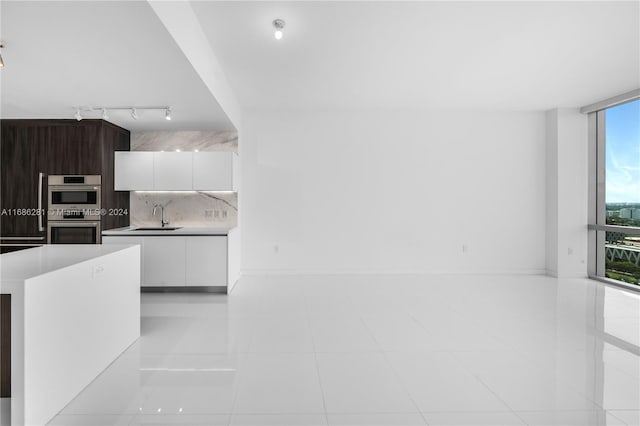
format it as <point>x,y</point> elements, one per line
<point>278,24</point>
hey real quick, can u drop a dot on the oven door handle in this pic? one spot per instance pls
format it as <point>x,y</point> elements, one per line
<point>73,223</point>
<point>40,212</point>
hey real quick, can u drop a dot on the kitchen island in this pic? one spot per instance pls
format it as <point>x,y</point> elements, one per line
<point>74,310</point>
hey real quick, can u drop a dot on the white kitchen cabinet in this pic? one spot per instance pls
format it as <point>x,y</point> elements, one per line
<point>173,171</point>
<point>183,260</point>
<point>206,260</point>
<point>164,261</point>
<point>213,171</point>
<point>176,171</point>
<point>128,240</point>
<point>133,171</point>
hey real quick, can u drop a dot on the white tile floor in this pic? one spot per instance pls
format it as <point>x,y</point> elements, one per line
<point>378,350</point>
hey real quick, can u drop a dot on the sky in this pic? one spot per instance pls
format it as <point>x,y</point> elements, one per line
<point>623,153</point>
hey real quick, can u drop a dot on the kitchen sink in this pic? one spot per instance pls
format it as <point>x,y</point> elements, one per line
<point>166,228</point>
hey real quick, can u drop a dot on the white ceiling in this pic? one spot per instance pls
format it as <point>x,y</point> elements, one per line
<point>60,55</point>
<point>338,54</point>
<point>511,55</point>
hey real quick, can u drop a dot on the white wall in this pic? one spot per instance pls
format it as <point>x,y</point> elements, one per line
<point>552,192</point>
<point>567,189</point>
<point>393,191</point>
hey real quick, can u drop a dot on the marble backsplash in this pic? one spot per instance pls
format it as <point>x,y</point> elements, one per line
<point>208,209</point>
<point>199,209</point>
<point>185,141</point>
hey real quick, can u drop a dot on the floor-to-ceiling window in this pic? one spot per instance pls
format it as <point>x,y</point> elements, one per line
<point>616,218</point>
<point>622,190</point>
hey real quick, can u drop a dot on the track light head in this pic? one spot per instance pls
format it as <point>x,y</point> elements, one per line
<point>1,61</point>
<point>104,111</point>
<point>278,24</point>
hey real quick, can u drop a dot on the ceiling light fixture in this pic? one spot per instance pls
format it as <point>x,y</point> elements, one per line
<point>104,111</point>
<point>278,24</point>
<point>1,61</point>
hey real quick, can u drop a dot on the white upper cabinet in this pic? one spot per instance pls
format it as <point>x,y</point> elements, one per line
<point>176,171</point>
<point>213,171</point>
<point>133,171</point>
<point>173,171</point>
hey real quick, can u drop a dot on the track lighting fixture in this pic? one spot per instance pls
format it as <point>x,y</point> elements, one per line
<point>105,110</point>
<point>278,24</point>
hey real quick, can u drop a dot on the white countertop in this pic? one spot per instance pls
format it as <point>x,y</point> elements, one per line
<point>21,265</point>
<point>131,230</point>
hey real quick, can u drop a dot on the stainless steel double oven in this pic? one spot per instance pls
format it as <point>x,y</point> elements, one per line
<point>74,209</point>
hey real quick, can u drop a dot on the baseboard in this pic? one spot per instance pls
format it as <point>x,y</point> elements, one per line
<point>185,289</point>
<point>303,271</point>
<point>555,274</point>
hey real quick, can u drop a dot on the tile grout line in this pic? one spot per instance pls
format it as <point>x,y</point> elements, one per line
<point>616,417</point>
<point>236,391</point>
<point>395,373</point>
<point>315,358</point>
<point>477,377</point>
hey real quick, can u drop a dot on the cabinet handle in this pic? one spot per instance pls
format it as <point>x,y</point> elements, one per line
<point>40,224</point>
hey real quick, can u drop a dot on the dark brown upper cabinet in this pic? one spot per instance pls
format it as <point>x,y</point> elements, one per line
<point>56,147</point>
<point>23,162</point>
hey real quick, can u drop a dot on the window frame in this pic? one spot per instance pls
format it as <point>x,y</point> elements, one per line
<point>597,217</point>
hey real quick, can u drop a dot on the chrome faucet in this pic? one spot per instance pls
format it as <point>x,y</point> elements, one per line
<point>163,221</point>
